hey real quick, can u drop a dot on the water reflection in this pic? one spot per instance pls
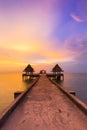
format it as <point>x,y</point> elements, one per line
<point>76,82</point>
<point>10,83</point>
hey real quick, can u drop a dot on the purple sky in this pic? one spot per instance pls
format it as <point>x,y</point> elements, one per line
<point>43,33</point>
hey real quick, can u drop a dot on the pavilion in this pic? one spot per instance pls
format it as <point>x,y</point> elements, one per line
<point>57,70</point>
<point>28,70</point>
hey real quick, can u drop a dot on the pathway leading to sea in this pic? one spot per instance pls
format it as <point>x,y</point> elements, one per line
<point>45,107</point>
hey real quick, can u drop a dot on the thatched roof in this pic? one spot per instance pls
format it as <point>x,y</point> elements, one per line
<point>57,68</point>
<point>28,69</point>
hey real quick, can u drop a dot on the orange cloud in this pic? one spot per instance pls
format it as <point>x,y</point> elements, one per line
<point>24,37</point>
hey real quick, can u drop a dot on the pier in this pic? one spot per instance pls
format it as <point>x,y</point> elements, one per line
<point>46,106</point>
<point>56,73</point>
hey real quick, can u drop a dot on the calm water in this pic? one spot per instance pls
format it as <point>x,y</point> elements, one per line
<point>78,83</point>
<point>9,83</point>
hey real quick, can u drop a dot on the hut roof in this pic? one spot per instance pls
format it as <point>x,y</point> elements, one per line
<point>28,69</point>
<point>57,68</point>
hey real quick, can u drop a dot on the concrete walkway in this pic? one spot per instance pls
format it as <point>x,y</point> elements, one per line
<point>46,108</point>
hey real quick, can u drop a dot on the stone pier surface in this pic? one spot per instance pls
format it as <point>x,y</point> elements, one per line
<point>45,107</point>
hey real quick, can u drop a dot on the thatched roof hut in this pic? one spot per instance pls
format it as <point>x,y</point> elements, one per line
<point>28,69</point>
<point>57,68</point>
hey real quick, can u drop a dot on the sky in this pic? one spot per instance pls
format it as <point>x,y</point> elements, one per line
<point>43,33</point>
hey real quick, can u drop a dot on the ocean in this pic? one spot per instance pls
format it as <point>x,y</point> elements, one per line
<point>78,83</point>
<point>12,82</point>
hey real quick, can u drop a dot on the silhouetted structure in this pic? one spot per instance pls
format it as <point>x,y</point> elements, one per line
<point>56,69</point>
<point>28,70</point>
<point>42,71</point>
<point>28,73</point>
<point>58,72</point>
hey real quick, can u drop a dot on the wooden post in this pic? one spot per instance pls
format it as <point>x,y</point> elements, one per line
<point>17,93</point>
<point>72,92</point>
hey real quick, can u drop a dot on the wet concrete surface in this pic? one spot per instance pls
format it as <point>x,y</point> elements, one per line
<point>45,107</point>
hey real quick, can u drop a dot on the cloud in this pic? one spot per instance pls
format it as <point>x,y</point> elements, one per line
<point>29,33</point>
<point>76,18</point>
<point>77,48</point>
<point>82,9</point>
<point>25,36</point>
<point>79,12</point>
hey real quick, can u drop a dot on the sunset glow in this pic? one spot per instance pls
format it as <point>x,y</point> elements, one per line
<point>43,33</point>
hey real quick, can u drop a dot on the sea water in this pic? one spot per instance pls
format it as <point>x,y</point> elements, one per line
<point>78,83</point>
<point>12,82</point>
